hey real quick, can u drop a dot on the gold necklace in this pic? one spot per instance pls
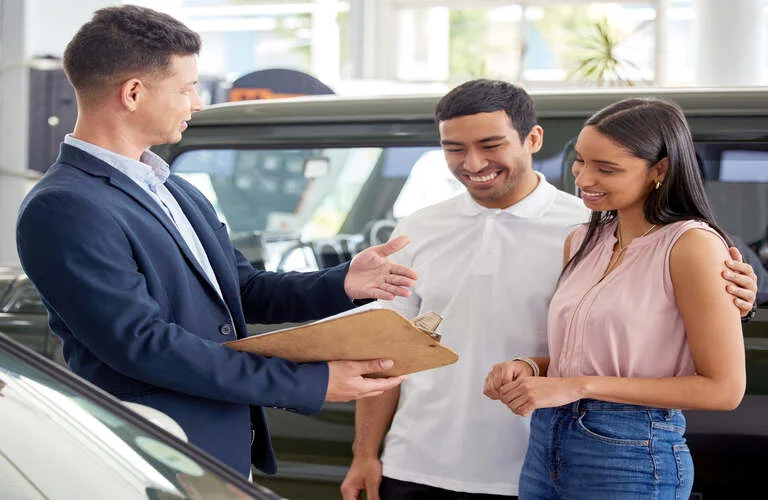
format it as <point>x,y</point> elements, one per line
<point>620,252</point>
<point>618,233</point>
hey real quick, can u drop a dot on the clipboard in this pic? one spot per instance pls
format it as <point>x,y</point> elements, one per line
<point>413,345</point>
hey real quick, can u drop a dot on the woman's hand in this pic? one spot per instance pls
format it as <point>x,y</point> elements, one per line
<point>524,395</point>
<point>504,373</point>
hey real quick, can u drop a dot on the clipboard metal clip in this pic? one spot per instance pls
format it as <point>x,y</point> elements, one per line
<point>428,323</point>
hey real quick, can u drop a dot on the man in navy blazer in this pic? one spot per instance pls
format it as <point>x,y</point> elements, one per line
<point>139,276</point>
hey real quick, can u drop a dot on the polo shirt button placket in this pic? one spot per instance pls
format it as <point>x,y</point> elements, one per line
<point>488,230</point>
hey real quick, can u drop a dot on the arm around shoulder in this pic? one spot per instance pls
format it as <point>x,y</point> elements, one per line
<point>712,321</point>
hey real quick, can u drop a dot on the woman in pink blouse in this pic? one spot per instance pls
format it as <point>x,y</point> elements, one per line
<point>640,325</point>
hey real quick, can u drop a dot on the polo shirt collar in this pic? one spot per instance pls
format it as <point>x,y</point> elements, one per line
<point>531,207</point>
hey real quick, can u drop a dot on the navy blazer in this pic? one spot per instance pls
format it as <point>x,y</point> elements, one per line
<point>138,317</point>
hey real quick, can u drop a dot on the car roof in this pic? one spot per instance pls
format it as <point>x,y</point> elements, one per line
<point>747,101</point>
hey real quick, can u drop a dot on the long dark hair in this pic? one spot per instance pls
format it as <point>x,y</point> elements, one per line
<point>653,129</point>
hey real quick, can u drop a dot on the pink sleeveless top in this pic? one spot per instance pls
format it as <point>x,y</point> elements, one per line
<point>628,324</point>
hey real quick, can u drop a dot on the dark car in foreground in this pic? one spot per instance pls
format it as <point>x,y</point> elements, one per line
<point>306,183</point>
<point>63,438</point>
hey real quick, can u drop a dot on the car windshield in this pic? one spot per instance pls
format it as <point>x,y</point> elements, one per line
<point>334,201</point>
<point>311,192</point>
<point>56,443</point>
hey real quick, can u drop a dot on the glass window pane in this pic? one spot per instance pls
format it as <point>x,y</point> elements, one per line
<point>594,43</point>
<point>269,191</point>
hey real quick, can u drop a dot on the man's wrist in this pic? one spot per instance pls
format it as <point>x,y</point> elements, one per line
<point>364,451</point>
<point>751,314</point>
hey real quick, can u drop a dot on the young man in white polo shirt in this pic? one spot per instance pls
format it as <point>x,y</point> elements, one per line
<point>488,261</point>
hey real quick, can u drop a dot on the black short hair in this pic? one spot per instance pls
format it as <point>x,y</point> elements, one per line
<point>119,42</point>
<point>487,96</point>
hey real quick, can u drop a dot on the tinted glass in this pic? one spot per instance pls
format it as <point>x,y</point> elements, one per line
<point>736,180</point>
<point>304,209</point>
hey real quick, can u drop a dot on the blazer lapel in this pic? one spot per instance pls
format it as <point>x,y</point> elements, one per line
<point>222,266</point>
<point>79,159</point>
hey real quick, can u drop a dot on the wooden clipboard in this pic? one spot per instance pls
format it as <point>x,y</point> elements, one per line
<point>413,345</point>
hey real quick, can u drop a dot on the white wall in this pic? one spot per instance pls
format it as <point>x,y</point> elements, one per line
<point>731,40</point>
<point>13,124</point>
<point>50,24</point>
<point>28,29</point>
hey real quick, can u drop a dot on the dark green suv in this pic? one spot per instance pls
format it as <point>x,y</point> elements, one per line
<point>306,183</point>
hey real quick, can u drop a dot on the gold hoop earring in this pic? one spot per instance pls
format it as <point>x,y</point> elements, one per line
<point>658,184</point>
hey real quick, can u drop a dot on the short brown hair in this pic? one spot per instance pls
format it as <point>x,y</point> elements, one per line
<point>120,41</point>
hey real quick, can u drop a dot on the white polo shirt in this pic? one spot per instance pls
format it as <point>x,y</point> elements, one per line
<point>490,274</point>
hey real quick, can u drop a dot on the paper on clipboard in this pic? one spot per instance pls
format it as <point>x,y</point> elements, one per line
<point>367,332</point>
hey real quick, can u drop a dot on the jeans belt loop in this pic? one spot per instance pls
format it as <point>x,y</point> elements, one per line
<point>578,407</point>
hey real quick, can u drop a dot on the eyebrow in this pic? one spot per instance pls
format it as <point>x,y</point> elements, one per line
<point>606,162</point>
<point>602,162</point>
<point>484,140</point>
<point>494,138</point>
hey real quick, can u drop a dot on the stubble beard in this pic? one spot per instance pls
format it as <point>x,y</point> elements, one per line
<point>502,192</point>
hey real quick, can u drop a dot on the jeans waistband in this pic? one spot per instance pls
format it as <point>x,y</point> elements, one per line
<point>582,405</point>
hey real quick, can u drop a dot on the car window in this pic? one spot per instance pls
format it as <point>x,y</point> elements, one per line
<point>304,209</point>
<point>736,181</point>
<point>56,443</point>
<point>272,190</point>
<point>428,182</point>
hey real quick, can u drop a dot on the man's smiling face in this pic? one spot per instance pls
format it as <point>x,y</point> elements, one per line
<point>485,153</point>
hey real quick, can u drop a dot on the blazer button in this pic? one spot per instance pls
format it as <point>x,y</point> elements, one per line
<point>225,329</point>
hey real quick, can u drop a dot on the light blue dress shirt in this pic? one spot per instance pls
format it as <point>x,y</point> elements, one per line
<point>150,174</point>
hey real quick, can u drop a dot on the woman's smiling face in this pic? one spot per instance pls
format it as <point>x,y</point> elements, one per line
<point>608,175</point>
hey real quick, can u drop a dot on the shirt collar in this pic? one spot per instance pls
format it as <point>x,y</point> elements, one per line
<point>150,170</point>
<point>531,207</point>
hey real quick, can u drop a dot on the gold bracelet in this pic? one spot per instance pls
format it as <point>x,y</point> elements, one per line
<point>534,365</point>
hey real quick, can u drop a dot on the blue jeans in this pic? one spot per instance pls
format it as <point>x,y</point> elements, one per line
<point>598,450</point>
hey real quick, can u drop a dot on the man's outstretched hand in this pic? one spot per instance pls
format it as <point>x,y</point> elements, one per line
<point>372,275</point>
<point>346,381</point>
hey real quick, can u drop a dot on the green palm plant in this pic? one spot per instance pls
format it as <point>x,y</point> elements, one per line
<point>595,57</point>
